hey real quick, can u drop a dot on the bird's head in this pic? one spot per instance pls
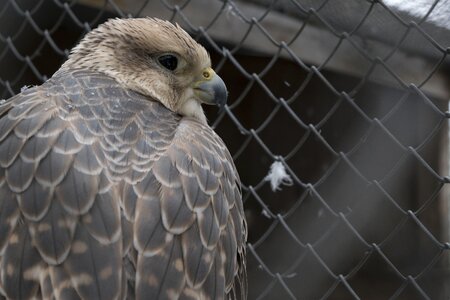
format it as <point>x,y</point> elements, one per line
<point>155,58</point>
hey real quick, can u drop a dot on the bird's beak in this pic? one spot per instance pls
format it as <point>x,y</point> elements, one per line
<point>211,89</point>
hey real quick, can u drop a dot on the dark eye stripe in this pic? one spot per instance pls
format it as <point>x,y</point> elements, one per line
<point>168,61</point>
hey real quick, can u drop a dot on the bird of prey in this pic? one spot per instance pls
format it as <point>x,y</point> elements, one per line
<point>112,185</point>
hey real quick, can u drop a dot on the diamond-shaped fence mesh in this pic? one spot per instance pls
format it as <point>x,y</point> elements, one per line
<point>349,96</point>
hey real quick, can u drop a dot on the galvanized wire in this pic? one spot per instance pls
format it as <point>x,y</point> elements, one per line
<point>340,214</point>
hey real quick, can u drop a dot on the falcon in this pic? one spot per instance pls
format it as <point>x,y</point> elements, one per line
<point>112,184</point>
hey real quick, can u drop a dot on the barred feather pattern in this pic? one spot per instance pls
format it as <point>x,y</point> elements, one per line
<point>106,194</point>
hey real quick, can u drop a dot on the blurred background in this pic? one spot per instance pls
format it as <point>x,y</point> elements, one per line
<point>349,97</point>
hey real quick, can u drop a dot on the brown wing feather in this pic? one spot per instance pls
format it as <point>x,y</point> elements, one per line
<point>161,276</point>
<point>21,266</point>
<point>60,227</point>
<point>198,190</point>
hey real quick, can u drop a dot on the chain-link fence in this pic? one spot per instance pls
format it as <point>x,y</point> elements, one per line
<point>349,98</point>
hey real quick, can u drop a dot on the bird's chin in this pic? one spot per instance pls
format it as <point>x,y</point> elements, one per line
<point>192,108</point>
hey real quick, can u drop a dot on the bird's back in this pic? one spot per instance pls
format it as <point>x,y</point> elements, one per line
<point>105,194</point>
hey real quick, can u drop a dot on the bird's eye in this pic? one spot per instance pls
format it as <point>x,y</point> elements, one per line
<point>168,61</point>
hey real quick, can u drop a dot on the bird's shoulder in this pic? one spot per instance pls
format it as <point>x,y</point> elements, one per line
<point>94,94</point>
